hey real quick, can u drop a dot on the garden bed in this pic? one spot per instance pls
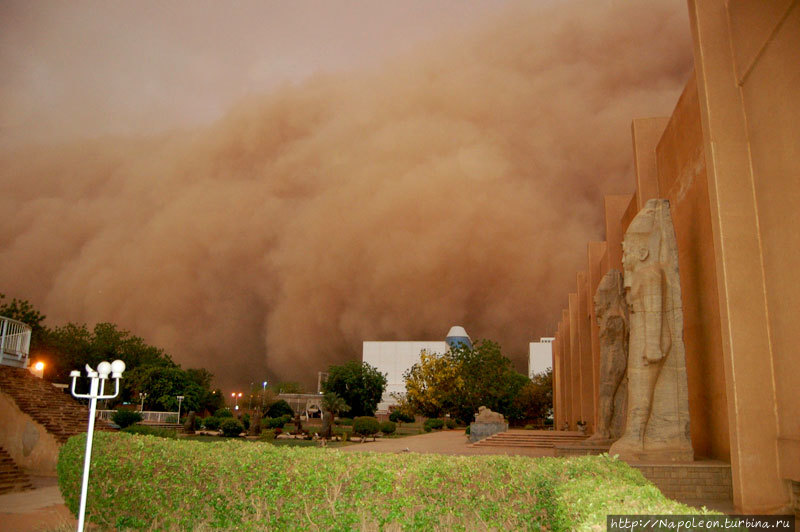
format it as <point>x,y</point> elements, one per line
<point>147,482</point>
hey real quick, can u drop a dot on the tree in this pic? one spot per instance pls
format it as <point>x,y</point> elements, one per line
<point>489,380</point>
<point>461,380</point>
<point>535,399</point>
<point>280,408</point>
<point>72,346</point>
<point>359,384</point>
<point>332,405</point>
<point>434,385</point>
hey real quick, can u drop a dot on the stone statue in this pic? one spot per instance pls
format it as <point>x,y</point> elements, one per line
<point>486,423</point>
<point>189,424</point>
<point>657,421</point>
<point>612,319</point>
<point>485,415</point>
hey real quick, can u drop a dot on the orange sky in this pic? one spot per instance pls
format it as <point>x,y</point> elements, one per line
<point>260,190</point>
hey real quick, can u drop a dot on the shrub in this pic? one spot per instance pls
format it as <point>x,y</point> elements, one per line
<point>223,413</point>
<point>366,426</point>
<point>467,431</point>
<point>231,427</point>
<point>450,423</point>
<point>342,433</point>
<point>126,418</point>
<point>267,435</point>
<point>160,484</point>
<point>245,419</point>
<point>151,431</point>
<point>398,416</point>
<point>275,422</point>
<point>433,423</point>
<point>280,408</point>
<point>211,423</point>
<point>346,421</point>
<point>388,427</point>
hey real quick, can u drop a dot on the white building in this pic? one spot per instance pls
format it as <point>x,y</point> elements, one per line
<point>540,356</point>
<point>394,359</point>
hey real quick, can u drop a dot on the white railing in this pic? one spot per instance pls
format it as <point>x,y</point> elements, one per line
<point>15,342</point>
<point>147,417</point>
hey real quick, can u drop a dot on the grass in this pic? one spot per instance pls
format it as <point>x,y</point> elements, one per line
<point>142,482</point>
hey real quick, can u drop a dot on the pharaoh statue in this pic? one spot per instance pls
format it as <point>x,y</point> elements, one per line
<point>657,420</point>
<point>612,319</point>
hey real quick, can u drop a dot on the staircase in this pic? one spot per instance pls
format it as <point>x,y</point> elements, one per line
<point>12,478</point>
<point>542,439</point>
<point>60,414</point>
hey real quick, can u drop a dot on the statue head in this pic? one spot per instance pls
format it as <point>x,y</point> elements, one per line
<point>609,289</point>
<point>646,238</point>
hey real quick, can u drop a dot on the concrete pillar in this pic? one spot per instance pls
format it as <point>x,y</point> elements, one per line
<point>646,133</point>
<point>748,72</point>
<point>587,372</point>
<point>596,251</point>
<point>575,357</point>
<point>557,371</point>
<point>567,357</point>
<point>615,206</point>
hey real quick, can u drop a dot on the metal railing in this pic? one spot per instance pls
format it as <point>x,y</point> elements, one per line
<point>147,417</point>
<point>15,342</point>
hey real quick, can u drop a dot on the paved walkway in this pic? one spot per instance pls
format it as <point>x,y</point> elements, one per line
<point>37,510</point>
<point>452,442</point>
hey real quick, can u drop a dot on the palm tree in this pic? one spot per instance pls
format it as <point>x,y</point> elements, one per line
<point>332,404</point>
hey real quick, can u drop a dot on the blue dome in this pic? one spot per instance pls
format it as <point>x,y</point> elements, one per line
<point>458,336</point>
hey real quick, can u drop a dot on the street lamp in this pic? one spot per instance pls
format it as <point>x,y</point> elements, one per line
<point>96,389</point>
<point>39,367</point>
<point>263,393</point>
<point>180,400</point>
<point>236,399</point>
<point>142,396</point>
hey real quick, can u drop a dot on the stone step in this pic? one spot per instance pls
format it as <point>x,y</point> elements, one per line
<point>12,478</point>
<point>60,414</point>
<point>539,439</point>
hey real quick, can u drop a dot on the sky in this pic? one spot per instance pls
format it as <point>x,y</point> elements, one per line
<point>259,187</point>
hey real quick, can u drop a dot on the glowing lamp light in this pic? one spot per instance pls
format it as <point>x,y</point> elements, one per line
<point>39,366</point>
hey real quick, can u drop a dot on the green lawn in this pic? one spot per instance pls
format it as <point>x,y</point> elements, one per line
<point>144,482</point>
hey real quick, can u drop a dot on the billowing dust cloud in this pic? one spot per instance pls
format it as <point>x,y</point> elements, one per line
<point>456,185</point>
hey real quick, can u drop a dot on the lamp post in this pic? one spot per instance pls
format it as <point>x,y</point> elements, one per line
<point>263,393</point>
<point>236,399</point>
<point>180,400</point>
<point>96,389</point>
<point>142,396</point>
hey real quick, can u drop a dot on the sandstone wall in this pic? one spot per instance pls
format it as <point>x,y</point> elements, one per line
<point>728,159</point>
<point>33,448</point>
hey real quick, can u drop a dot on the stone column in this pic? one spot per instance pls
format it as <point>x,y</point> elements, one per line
<point>746,58</point>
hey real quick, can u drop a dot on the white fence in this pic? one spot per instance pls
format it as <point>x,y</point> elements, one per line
<point>15,342</point>
<point>147,417</point>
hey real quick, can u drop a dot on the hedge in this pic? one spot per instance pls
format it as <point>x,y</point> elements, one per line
<point>433,423</point>
<point>231,427</point>
<point>366,426</point>
<point>126,418</point>
<point>151,431</point>
<point>141,482</point>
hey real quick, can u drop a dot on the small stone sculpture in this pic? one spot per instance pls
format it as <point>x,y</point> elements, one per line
<point>189,424</point>
<point>657,421</point>
<point>486,423</point>
<point>485,415</point>
<point>612,319</point>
